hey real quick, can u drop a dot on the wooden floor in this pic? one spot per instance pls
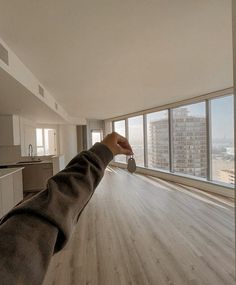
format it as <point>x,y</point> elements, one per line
<point>138,230</point>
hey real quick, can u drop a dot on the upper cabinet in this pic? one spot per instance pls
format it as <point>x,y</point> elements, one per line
<point>28,136</point>
<point>9,130</point>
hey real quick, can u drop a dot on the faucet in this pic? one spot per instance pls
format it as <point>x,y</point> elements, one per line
<point>31,151</point>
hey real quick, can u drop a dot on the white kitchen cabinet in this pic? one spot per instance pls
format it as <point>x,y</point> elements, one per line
<point>29,137</point>
<point>35,176</point>
<point>11,189</point>
<point>7,193</point>
<point>17,187</point>
<point>47,172</point>
<point>9,130</point>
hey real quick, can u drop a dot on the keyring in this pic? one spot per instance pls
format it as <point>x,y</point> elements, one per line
<point>131,164</point>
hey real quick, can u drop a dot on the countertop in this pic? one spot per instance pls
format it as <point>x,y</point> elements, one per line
<point>8,171</point>
<point>20,164</point>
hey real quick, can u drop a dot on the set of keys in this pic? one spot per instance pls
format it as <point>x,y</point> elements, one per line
<point>131,164</point>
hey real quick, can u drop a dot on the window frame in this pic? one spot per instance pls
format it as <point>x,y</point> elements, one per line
<point>204,98</point>
<point>161,169</point>
<point>128,133</point>
<point>214,181</point>
<point>172,142</point>
<point>43,140</point>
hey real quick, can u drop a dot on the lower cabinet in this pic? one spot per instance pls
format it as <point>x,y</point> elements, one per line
<point>17,187</point>
<point>11,191</point>
<point>7,193</point>
<point>35,176</point>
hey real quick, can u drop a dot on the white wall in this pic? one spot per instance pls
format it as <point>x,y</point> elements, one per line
<point>68,141</point>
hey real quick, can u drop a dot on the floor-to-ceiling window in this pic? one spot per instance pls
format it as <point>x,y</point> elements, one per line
<point>189,139</point>
<point>136,138</point>
<point>158,140</point>
<point>195,139</point>
<point>222,139</point>
<point>119,127</point>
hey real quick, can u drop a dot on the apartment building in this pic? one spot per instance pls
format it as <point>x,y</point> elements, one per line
<point>189,140</point>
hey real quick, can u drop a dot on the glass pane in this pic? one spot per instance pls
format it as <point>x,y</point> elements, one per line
<point>40,151</point>
<point>222,132</point>
<point>49,141</point>
<point>136,138</point>
<point>189,140</point>
<point>119,127</point>
<point>39,137</point>
<point>158,140</point>
<point>96,137</point>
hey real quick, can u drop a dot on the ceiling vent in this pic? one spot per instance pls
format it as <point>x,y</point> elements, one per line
<point>4,54</point>
<point>41,91</point>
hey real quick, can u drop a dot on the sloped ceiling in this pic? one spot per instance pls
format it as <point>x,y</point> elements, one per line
<point>105,58</point>
<point>16,99</point>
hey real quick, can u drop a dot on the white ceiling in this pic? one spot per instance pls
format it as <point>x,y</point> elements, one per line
<point>16,99</point>
<point>104,58</point>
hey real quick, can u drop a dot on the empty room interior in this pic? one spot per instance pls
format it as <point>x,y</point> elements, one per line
<point>140,94</point>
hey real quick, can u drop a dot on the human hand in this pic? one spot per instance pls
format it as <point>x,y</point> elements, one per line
<point>117,144</point>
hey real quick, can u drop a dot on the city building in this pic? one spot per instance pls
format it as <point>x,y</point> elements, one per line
<point>227,176</point>
<point>189,143</point>
<point>158,151</point>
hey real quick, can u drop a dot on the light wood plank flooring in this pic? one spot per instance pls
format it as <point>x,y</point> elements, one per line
<point>138,230</point>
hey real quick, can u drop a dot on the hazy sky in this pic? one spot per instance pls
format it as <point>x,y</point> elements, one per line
<point>221,115</point>
<point>222,118</point>
<point>196,110</point>
<point>222,112</point>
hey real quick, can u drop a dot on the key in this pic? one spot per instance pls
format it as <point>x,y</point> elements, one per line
<point>131,166</point>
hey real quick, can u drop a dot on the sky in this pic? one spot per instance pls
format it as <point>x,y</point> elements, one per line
<point>222,118</point>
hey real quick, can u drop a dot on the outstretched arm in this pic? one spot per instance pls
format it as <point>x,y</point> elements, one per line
<point>37,228</point>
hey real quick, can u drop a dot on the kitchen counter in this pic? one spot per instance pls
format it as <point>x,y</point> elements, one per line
<point>35,173</point>
<point>8,164</point>
<point>8,171</point>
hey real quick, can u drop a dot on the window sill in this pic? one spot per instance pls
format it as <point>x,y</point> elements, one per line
<point>197,182</point>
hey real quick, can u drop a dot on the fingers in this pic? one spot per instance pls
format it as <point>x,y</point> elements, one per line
<point>125,151</point>
<point>117,144</point>
<point>124,145</point>
<point>126,148</point>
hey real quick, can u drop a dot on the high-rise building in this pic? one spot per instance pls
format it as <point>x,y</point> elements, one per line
<point>159,148</point>
<point>188,141</point>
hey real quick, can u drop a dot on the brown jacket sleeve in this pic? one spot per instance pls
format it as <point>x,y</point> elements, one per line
<point>37,228</point>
